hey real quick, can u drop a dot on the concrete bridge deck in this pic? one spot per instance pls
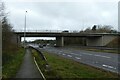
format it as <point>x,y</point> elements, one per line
<point>92,39</point>
<point>65,34</point>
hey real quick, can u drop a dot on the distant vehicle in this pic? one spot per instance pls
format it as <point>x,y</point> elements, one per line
<point>47,44</point>
<point>40,46</point>
<point>44,45</point>
<point>66,31</point>
<point>54,45</point>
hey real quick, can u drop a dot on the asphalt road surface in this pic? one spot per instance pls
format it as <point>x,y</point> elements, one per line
<point>106,61</point>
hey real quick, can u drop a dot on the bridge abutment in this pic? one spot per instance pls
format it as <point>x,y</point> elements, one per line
<point>107,39</point>
<point>94,41</point>
<point>99,41</point>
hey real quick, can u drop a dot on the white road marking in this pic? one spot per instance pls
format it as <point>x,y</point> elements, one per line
<point>96,62</point>
<point>63,54</point>
<point>76,54</point>
<point>77,58</point>
<point>59,53</point>
<point>80,55</point>
<point>108,66</point>
<point>102,56</point>
<point>87,53</point>
<point>69,55</point>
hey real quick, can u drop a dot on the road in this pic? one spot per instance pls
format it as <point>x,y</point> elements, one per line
<point>106,61</point>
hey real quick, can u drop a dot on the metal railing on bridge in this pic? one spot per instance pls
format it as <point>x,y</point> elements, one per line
<point>55,31</point>
<point>65,31</point>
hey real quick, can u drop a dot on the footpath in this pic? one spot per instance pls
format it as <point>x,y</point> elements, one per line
<point>28,68</point>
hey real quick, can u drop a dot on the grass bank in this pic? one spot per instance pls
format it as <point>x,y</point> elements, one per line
<point>11,63</point>
<point>66,68</point>
<point>46,69</point>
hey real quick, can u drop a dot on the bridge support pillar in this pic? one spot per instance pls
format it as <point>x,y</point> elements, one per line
<point>59,41</point>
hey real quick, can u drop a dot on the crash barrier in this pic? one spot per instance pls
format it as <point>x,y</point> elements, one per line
<point>41,55</point>
<point>47,67</point>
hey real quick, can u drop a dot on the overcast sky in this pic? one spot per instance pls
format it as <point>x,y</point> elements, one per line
<point>62,14</point>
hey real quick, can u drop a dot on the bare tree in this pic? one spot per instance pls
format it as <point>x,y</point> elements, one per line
<point>2,9</point>
<point>94,28</point>
<point>105,29</point>
<point>87,30</point>
<point>8,44</point>
<point>100,29</point>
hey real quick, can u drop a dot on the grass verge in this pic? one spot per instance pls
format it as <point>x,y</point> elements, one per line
<point>67,68</point>
<point>14,60</point>
<point>46,69</point>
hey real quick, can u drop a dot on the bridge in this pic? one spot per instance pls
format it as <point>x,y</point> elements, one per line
<point>92,39</point>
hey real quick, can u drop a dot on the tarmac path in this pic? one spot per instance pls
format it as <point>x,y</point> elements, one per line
<point>28,68</point>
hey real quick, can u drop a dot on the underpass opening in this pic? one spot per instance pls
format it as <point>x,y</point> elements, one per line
<point>40,40</point>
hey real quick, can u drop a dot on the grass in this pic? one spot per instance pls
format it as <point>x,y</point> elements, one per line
<point>67,68</point>
<point>46,70</point>
<point>12,64</point>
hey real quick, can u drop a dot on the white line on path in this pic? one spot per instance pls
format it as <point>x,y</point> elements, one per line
<point>77,58</point>
<point>39,69</point>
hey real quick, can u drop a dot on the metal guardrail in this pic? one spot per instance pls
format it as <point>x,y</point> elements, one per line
<point>64,31</point>
<point>42,56</point>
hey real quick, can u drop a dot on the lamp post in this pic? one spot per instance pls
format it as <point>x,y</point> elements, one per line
<point>25,29</point>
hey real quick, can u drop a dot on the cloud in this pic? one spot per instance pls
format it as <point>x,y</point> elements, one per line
<point>61,0</point>
<point>62,15</point>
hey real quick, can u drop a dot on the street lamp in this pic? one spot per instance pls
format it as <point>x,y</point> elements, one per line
<point>25,29</point>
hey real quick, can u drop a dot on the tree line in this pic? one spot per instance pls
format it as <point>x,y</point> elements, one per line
<point>99,29</point>
<point>9,47</point>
